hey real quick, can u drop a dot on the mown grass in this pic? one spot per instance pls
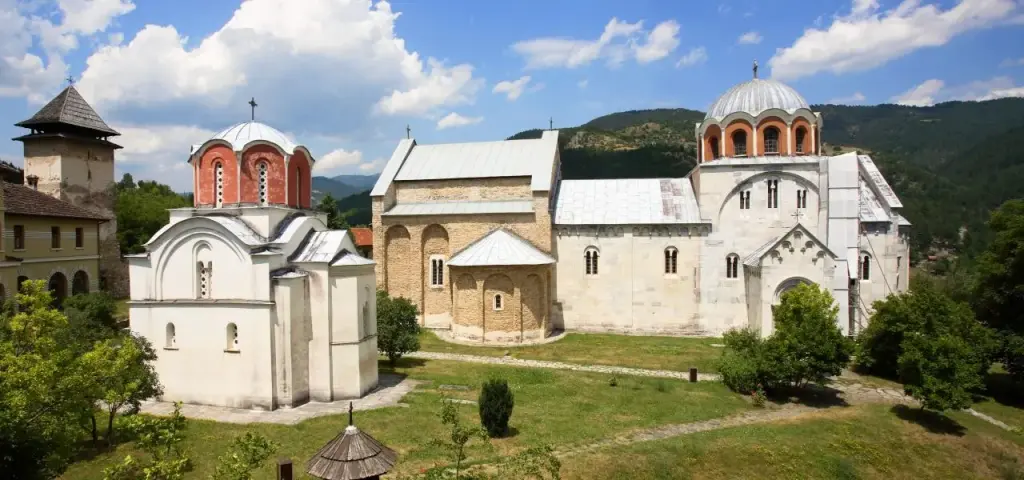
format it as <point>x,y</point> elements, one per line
<point>661,353</point>
<point>861,442</point>
<point>552,407</point>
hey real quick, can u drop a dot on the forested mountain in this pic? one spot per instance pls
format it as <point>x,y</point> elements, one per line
<point>362,182</point>
<point>325,185</point>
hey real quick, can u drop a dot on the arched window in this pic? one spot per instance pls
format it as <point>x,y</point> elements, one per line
<point>231,338</point>
<point>739,143</point>
<point>744,199</point>
<point>80,283</point>
<point>865,267</point>
<point>218,186</point>
<point>801,198</point>
<point>498,305</point>
<point>732,266</point>
<point>169,336</point>
<point>714,147</point>
<point>773,194</point>
<point>671,256</point>
<point>437,271</point>
<point>205,275</point>
<point>298,187</point>
<point>801,133</point>
<point>591,257</point>
<point>771,141</point>
<point>263,173</point>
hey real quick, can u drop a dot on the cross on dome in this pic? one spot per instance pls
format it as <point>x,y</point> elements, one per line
<point>253,105</point>
<point>70,79</point>
<point>755,68</point>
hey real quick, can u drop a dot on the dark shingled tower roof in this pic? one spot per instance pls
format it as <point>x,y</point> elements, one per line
<point>352,455</point>
<point>68,108</point>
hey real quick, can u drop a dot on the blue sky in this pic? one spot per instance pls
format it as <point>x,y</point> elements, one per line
<point>344,77</point>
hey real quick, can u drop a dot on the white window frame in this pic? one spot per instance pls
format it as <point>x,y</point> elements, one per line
<point>437,274</point>
<point>591,258</point>
<point>671,261</point>
<point>732,266</point>
<point>775,141</point>
<point>497,302</point>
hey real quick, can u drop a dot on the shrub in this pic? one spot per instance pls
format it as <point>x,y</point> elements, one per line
<point>757,396</point>
<point>939,371</point>
<point>739,363</point>
<point>496,402</point>
<point>614,381</point>
<point>397,330</point>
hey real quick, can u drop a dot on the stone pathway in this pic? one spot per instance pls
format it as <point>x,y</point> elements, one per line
<point>989,419</point>
<point>389,392</point>
<point>519,362</point>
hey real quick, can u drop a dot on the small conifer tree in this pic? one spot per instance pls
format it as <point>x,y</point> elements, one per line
<point>496,402</point>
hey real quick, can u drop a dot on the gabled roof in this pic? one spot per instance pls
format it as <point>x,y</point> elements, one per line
<point>22,200</point>
<point>633,201</point>
<point>69,108</point>
<point>352,455</point>
<point>875,179</point>
<point>363,237</point>
<point>871,210</point>
<point>500,248</point>
<point>321,247</point>
<point>754,259</point>
<point>347,258</point>
<point>460,208</point>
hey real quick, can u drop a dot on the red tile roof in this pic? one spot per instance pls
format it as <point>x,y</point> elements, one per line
<point>22,200</point>
<point>362,236</point>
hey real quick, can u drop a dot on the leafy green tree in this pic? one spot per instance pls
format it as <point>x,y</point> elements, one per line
<point>807,345</point>
<point>496,403</point>
<point>741,363</point>
<point>535,463</point>
<point>999,295</point>
<point>92,317</point>
<point>142,211</point>
<point>458,435</point>
<point>397,330</point>
<point>41,385</point>
<point>123,376</point>
<point>160,438</point>
<point>336,220</point>
<point>939,371</point>
<point>247,453</point>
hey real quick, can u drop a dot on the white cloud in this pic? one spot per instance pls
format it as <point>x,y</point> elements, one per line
<point>660,42</point>
<point>695,56</point>
<point>337,159</point>
<point>935,91</point>
<point>583,83</point>
<point>1013,62</point>
<point>454,120</point>
<point>157,143</point>
<point>868,38</point>
<point>618,42</point>
<point>856,98</point>
<point>749,38</point>
<point>512,88</point>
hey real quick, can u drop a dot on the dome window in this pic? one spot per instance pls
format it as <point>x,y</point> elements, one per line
<point>801,133</point>
<point>263,182</point>
<point>714,147</point>
<point>771,141</point>
<point>739,143</point>
<point>218,175</point>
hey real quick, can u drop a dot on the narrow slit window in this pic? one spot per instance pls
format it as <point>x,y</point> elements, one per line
<point>263,172</point>
<point>591,258</point>
<point>671,256</point>
<point>437,272</point>
<point>865,267</point>
<point>801,133</point>
<point>745,200</point>
<point>54,237</point>
<point>19,237</point>
<point>218,173</point>
<point>79,237</point>
<point>732,266</point>
<point>231,337</point>
<point>801,198</point>
<point>498,302</point>
<point>773,194</point>
<point>170,341</point>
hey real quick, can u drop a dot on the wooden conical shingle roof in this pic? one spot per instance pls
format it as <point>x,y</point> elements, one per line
<point>68,108</point>
<point>352,455</point>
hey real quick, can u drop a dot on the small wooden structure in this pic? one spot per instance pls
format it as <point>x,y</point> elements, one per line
<point>352,455</point>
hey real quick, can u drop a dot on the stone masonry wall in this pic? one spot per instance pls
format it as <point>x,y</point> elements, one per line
<point>524,313</point>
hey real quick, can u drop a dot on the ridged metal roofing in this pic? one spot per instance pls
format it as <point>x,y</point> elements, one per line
<point>871,210</point>
<point>348,258</point>
<point>510,158</point>
<point>902,221</point>
<point>244,133</point>
<point>500,248</point>
<point>236,226</point>
<point>633,201</point>
<point>755,96</point>
<point>874,176</point>
<point>460,208</point>
<point>321,246</point>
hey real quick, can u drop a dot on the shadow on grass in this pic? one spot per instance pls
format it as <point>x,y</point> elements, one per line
<point>812,395</point>
<point>1003,389</point>
<point>932,421</point>
<point>385,366</point>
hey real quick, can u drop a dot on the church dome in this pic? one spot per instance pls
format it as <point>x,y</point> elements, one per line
<point>247,132</point>
<point>755,96</point>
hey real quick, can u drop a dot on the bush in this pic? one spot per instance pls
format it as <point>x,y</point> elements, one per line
<point>939,371</point>
<point>92,316</point>
<point>397,330</point>
<point>739,363</point>
<point>496,403</point>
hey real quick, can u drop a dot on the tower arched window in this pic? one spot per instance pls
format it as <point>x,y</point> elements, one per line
<point>714,147</point>
<point>771,141</point>
<point>801,134</point>
<point>744,199</point>
<point>204,273</point>
<point>739,143</point>
<point>231,337</point>
<point>263,172</point>
<point>170,340</point>
<point>671,258</point>
<point>218,185</point>
<point>773,193</point>
<point>732,266</point>
<point>591,256</point>
<point>865,266</point>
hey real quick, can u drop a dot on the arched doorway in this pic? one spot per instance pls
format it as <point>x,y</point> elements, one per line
<point>788,285</point>
<point>58,286</point>
<point>80,283</point>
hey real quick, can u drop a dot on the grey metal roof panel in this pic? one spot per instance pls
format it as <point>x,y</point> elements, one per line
<point>763,160</point>
<point>321,246</point>
<point>755,96</point>
<point>69,108</point>
<point>460,208</point>
<point>500,248</point>
<point>871,210</point>
<point>635,201</point>
<point>351,259</point>
<point>902,221</point>
<point>236,226</point>
<point>754,258</point>
<point>392,167</point>
<point>509,158</point>
<point>878,181</point>
<point>245,133</point>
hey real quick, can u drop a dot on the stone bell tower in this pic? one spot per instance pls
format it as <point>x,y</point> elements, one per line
<point>68,156</point>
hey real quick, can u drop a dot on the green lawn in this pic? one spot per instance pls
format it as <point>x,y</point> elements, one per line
<point>663,353</point>
<point>552,407</point>
<point>861,442</point>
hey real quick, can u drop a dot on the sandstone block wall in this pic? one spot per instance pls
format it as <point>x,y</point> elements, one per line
<point>501,304</point>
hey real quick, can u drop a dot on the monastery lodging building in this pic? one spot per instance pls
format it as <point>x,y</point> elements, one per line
<point>489,242</point>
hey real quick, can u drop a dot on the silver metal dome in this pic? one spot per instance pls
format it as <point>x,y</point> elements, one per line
<point>756,96</point>
<point>242,134</point>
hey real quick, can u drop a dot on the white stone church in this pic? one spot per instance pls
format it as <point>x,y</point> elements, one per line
<point>489,242</point>
<point>248,298</point>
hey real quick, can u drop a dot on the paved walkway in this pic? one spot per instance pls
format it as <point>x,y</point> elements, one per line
<point>389,392</point>
<point>519,362</point>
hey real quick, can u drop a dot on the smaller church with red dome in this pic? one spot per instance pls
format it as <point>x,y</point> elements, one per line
<point>249,299</point>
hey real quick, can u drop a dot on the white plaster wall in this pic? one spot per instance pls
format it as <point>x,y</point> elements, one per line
<point>631,292</point>
<point>797,258</point>
<point>197,369</point>
<point>353,339</point>
<point>291,335</point>
<point>889,271</point>
<point>234,275</point>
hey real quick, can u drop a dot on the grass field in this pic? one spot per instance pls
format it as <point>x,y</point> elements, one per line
<point>662,353</point>
<point>552,407</point>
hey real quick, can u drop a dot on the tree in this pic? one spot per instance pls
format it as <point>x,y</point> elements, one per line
<point>397,330</point>
<point>160,439</point>
<point>248,452</point>
<point>741,363</point>
<point>336,220</point>
<point>92,317</point>
<point>999,292</point>
<point>142,211</point>
<point>458,434</point>
<point>122,376</point>
<point>939,371</point>
<point>807,345</point>
<point>496,402</point>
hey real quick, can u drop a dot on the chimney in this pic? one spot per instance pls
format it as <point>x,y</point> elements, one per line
<point>33,182</point>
